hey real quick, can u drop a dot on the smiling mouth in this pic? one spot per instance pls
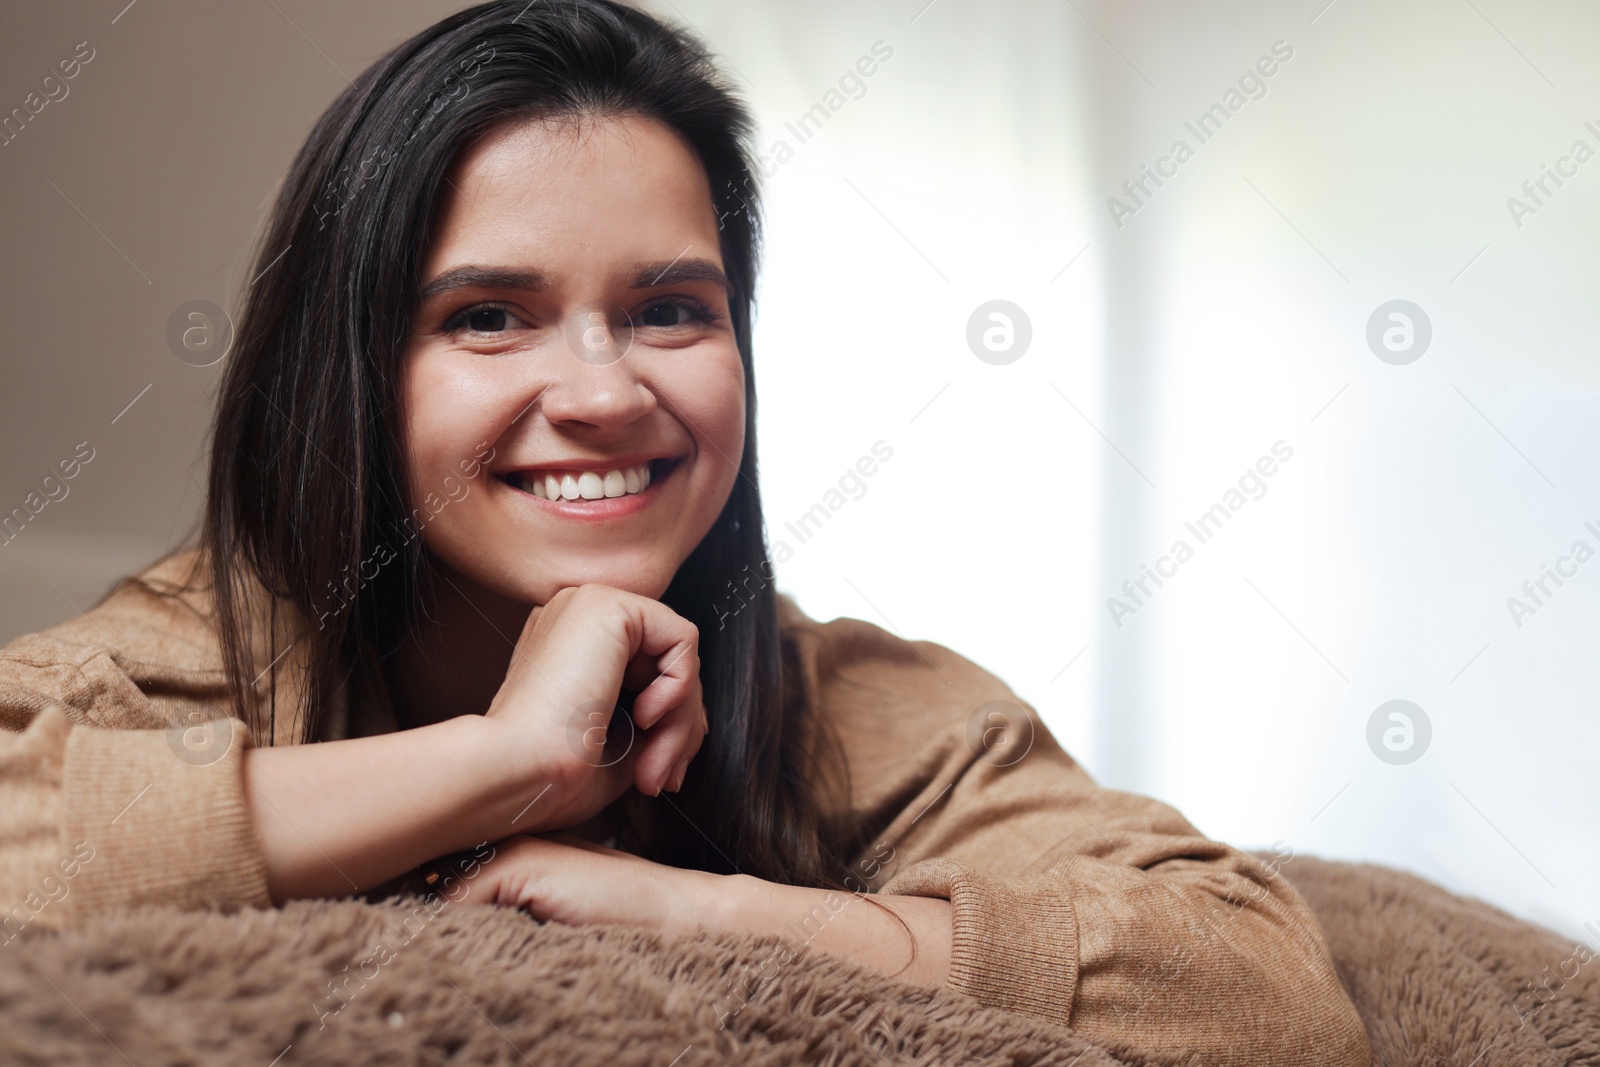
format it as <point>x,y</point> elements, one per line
<point>574,485</point>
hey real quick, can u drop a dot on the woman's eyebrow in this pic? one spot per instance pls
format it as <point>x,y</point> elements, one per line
<point>645,276</point>
<point>472,276</point>
<point>648,275</point>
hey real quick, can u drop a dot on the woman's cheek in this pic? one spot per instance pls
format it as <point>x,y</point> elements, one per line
<point>714,401</point>
<point>451,421</point>
<point>715,405</point>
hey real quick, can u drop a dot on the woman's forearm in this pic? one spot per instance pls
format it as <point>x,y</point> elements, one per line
<point>851,926</point>
<point>563,878</point>
<point>340,817</point>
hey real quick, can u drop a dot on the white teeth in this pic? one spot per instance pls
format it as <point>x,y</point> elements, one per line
<point>585,485</point>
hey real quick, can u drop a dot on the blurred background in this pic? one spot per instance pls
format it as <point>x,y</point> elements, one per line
<point>1289,304</point>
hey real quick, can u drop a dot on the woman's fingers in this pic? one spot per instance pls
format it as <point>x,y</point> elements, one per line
<point>668,710</point>
<point>671,744</point>
<point>668,655</point>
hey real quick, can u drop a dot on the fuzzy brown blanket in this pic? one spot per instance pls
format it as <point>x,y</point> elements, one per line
<point>1438,979</point>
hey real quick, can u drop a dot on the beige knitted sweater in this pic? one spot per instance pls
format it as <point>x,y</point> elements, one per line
<point>121,783</point>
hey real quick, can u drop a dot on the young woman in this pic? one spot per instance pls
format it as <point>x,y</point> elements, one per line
<point>484,521</point>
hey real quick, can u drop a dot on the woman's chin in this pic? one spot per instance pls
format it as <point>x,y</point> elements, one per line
<point>503,579</point>
<point>645,582</point>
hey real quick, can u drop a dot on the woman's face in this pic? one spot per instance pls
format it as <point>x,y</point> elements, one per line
<point>575,321</point>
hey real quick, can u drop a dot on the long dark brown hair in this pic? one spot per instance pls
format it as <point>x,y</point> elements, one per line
<point>307,470</point>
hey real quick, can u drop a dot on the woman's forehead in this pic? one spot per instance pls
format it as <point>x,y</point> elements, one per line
<point>603,177</point>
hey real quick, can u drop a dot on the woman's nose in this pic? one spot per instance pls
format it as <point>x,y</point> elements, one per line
<point>597,383</point>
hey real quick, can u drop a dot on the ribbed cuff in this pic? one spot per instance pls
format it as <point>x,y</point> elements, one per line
<point>162,818</point>
<point>1014,944</point>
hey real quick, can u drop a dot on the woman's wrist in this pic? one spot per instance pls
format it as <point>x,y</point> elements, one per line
<point>904,937</point>
<point>490,797</point>
<point>701,900</point>
<point>517,788</point>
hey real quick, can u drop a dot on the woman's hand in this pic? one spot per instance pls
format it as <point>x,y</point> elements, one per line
<point>558,701</point>
<point>343,816</point>
<point>566,879</point>
<point>563,878</point>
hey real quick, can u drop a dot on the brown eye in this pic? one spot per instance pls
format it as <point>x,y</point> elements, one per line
<point>483,319</point>
<point>667,314</point>
<point>487,320</point>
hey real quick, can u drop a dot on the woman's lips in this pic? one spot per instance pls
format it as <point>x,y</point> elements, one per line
<point>591,494</point>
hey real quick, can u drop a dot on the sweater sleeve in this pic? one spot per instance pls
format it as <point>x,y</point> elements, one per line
<point>1101,910</point>
<point>110,798</point>
<point>1109,913</point>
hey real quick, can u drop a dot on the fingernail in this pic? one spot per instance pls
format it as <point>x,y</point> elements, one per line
<point>677,778</point>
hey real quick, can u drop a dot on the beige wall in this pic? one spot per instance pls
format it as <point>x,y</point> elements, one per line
<point>140,189</point>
